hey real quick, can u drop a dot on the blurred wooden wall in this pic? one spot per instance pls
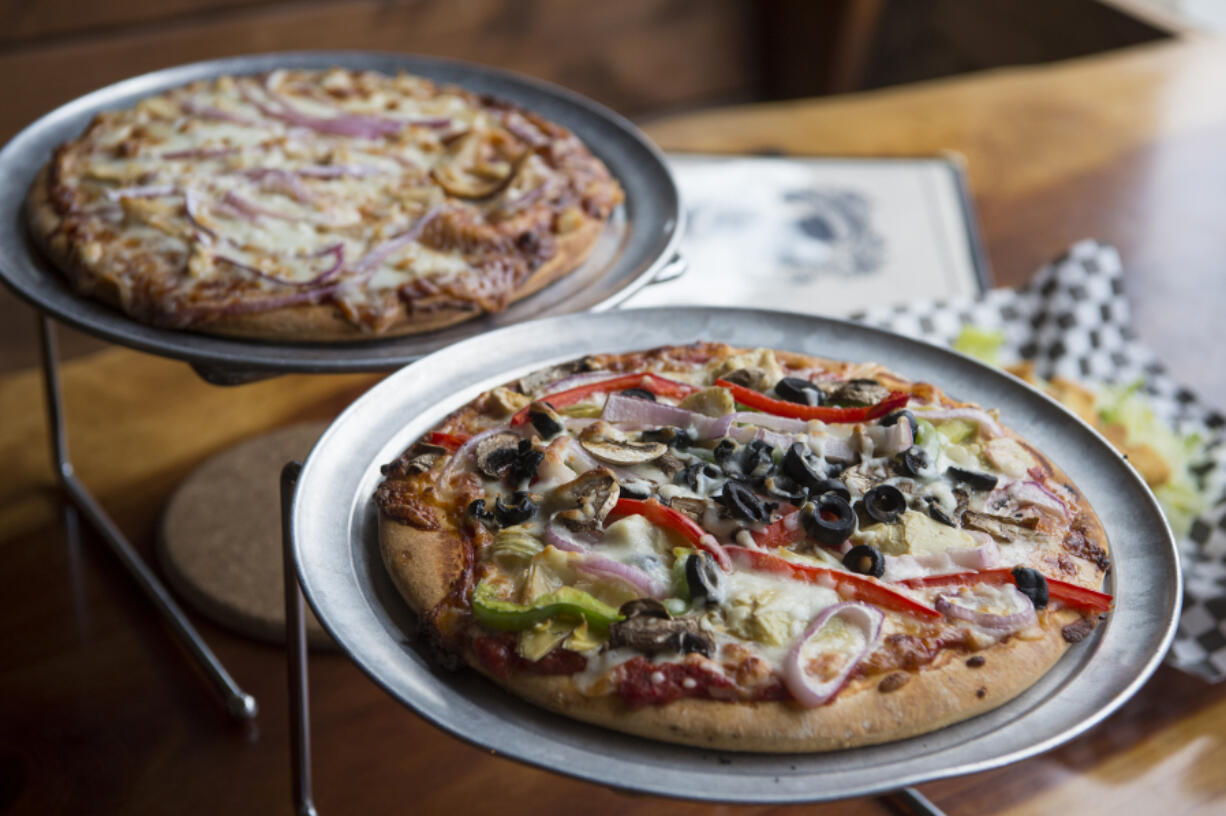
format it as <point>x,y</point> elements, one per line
<point>636,56</point>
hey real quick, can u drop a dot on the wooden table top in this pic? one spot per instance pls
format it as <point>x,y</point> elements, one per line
<point>101,713</point>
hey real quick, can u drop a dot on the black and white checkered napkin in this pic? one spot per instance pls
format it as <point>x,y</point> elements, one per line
<point>1073,320</point>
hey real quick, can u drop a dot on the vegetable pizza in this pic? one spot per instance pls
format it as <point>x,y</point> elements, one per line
<point>746,549</point>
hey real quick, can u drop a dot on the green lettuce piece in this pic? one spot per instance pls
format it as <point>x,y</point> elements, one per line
<point>982,344</point>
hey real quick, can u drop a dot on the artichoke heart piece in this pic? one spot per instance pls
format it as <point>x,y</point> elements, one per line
<point>513,548</point>
<point>757,617</point>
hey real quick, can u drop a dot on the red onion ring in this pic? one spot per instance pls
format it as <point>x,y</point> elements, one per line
<point>948,606</point>
<point>812,694</point>
<point>366,265</point>
<point>834,448</point>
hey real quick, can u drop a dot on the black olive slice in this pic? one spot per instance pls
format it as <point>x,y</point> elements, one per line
<point>866,560</point>
<point>911,461</point>
<point>546,423</point>
<point>527,460</point>
<point>679,438</point>
<point>831,485</point>
<point>743,503</point>
<point>522,508</point>
<point>884,503</point>
<point>704,579</point>
<point>725,455</point>
<point>758,459</point>
<point>635,491</point>
<point>937,514</point>
<point>794,389</point>
<point>802,466</point>
<point>890,419</point>
<point>478,511</point>
<point>829,519</point>
<point>693,475</point>
<point>782,487</point>
<point>979,481</point>
<point>639,393</point>
<point>1032,584</point>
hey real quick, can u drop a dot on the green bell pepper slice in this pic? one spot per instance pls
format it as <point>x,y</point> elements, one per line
<point>566,603</point>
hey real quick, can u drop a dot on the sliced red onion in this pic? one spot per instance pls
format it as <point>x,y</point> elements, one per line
<point>984,557</point>
<point>284,181</point>
<point>607,568</point>
<point>576,380</point>
<point>191,205</point>
<point>810,693</point>
<point>774,423</point>
<point>1034,493</point>
<point>519,202</point>
<point>330,171</point>
<point>745,435</point>
<point>889,440</point>
<point>146,191</point>
<point>371,260</point>
<point>949,606</point>
<point>559,536</point>
<point>645,413</point>
<point>987,426</point>
<point>256,211</point>
<point>337,251</point>
<point>200,153</point>
<point>834,448</point>
<point>361,125</point>
<point>902,567</point>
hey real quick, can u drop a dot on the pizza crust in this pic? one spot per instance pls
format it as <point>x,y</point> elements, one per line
<point>304,323</point>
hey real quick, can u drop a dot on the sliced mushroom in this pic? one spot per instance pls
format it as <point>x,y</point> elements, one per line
<point>652,635</point>
<point>694,508</point>
<point>859,392</point>
<point>857,480</point>
<point>607,444</point>
<point>670,465</point>
<point>644,608</point>
<point>496,453</point>
<point>587,500</point>
<point>418,460</point>
<point>751,377</point>
<point>479,166</point>
<point>1002,528</point>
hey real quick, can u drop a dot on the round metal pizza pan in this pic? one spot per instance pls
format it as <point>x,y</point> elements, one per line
<point>637,245</point>
<point>334,524</point>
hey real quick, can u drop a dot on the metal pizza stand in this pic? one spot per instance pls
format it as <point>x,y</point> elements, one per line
<point>637,247</point>
<point>331,544</point>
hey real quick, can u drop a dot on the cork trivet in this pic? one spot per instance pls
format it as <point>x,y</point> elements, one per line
<point>220,542</point>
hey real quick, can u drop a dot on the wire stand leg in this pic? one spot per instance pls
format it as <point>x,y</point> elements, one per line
<point>296,655</point>
<point>913,803</point>
<point>240,704</point>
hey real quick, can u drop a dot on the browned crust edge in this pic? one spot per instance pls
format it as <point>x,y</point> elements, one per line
<point>307,322</point>
<point>424,564</point>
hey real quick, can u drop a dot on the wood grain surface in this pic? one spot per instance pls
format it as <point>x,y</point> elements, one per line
<point>101,713</point>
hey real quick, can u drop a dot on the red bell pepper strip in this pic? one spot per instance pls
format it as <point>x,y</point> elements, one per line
<point>756,399</point>
<point>450,441</point>
<point>670,519</point>
<point>1074,595</point>
<point>660,386</point>
<point>847,584</point>
<point>781,533</point>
